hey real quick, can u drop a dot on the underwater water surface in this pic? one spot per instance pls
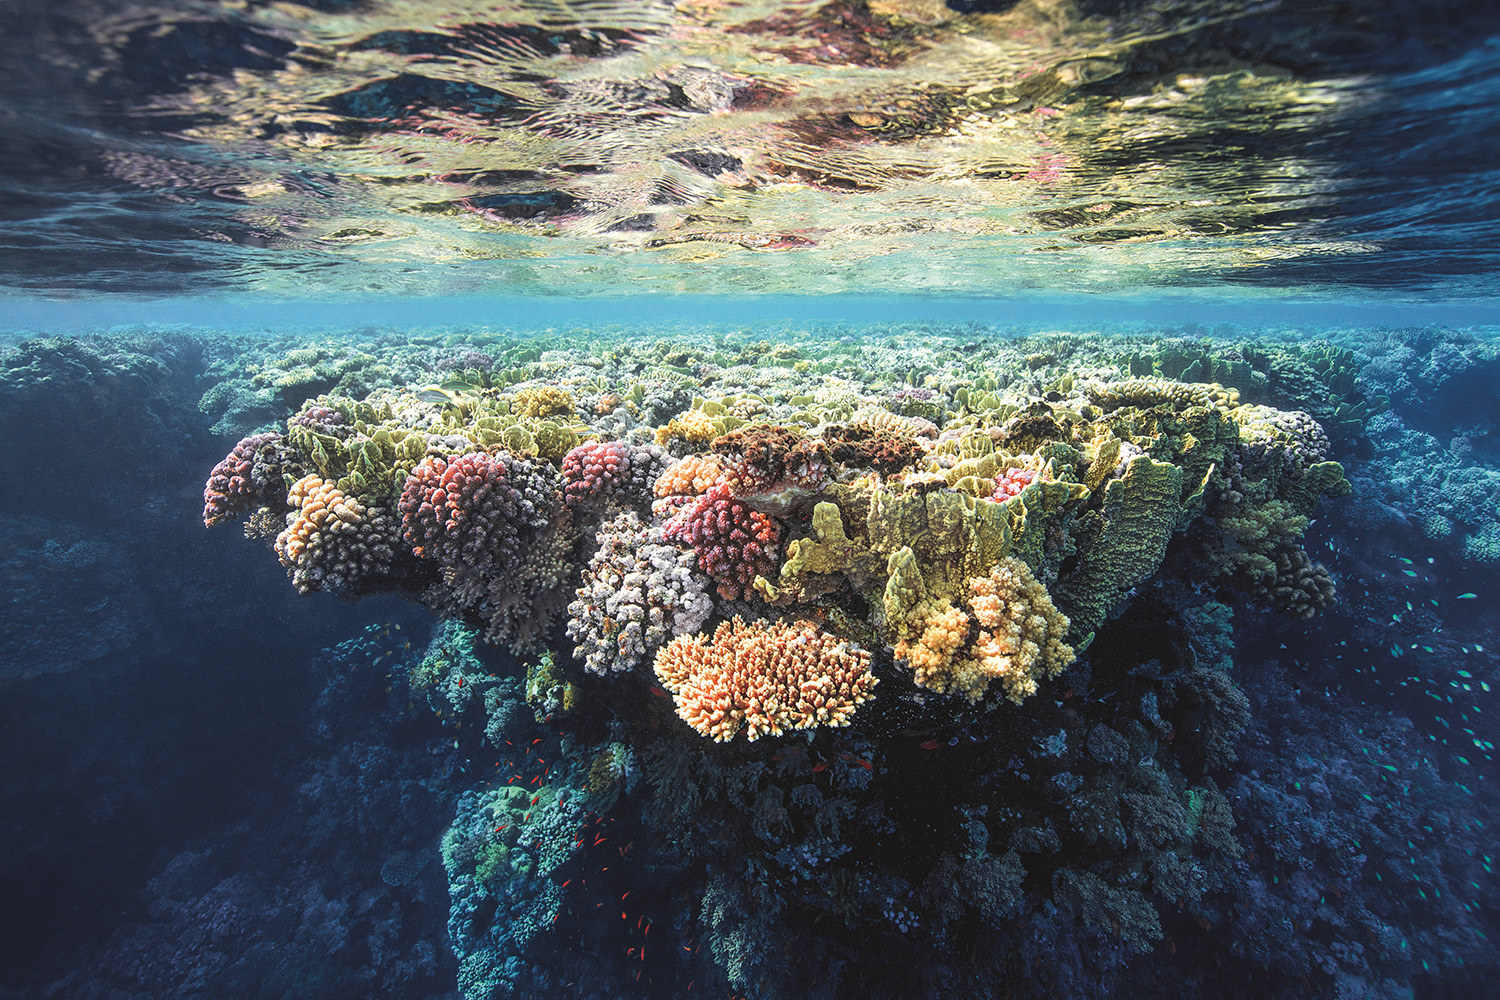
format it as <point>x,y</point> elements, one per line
<point>749,499</point>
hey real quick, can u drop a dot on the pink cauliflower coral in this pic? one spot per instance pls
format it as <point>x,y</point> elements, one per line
<point>475,510</point>
<point>734,543</point>
<point>1011,482</point>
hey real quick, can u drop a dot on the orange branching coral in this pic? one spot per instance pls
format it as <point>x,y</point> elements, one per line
<point>690,477</point>
<point>1019,639</point>
<point>766,679</point>
<point>320,506</point>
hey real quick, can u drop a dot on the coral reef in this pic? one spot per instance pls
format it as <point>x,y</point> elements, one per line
<point>953,635</point>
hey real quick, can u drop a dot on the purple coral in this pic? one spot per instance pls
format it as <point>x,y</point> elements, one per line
<point>321,419</point>
<point>232,488</point>
<point>734,543</point>
<point>476,510</point>
<point>598,473</point>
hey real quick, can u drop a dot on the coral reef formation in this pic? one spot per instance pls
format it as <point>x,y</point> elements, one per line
<point>929,657</point>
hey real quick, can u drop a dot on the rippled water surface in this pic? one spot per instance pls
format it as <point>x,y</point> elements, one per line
<point>330,148</point>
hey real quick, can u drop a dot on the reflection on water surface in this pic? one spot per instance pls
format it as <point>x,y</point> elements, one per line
<point>769,147</point>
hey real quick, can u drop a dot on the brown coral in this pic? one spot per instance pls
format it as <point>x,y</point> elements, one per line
<point>332,541</point>
<point>538,401</point>
<point>863,447</point>
<point>769,459</point>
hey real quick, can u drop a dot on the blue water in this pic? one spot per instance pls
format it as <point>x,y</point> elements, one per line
<point>1171,328</point>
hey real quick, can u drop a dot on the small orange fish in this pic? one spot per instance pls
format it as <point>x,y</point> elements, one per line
<point>931,745</point>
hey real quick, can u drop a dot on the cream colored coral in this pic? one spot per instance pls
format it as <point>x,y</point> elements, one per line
<point>1019,637</point>
<point>694,426</point>
<point>1021,631</point>
<point>538,401</point>
<point>939,629</point>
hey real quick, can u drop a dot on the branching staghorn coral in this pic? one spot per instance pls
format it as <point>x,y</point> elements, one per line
<point>764,679</point>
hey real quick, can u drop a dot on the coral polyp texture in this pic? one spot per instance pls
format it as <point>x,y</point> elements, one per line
<point>474,510</point>
<point>1018,637</point>
<point>332,541</point>
<point>947,599</point>
<point>599,475</point>
<point>637,592</point>
<point>733,541</point>
<point>764,679</point>
<point>236,485</point>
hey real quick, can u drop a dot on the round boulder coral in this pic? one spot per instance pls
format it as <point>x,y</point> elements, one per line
<point>233,488</point>
<point>476,510</point>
